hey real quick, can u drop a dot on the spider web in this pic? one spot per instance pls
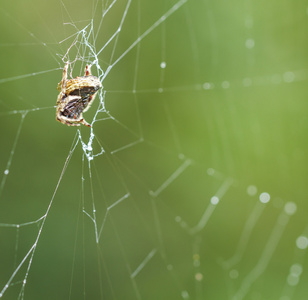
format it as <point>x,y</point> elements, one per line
<point>191,182</point>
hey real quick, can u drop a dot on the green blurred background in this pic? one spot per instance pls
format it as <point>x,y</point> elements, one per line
<point>228,112</point>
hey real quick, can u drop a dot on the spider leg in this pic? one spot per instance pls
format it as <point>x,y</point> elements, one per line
<point>84,122</point>
<point>62,84</point>
<point>87,71</point>
<point>64,77</point>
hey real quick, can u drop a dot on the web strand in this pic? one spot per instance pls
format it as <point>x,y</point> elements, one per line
<point>181,187</point>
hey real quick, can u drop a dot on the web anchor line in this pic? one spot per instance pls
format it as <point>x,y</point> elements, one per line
<point>245,236</point>
<point>211,207</point>
<point>174,8</point>
<point>31,252</point>
<point>143,263</point>
<point>268,252</point>
<point>9,162</point>
<point>174,175</point>
<point>108,210</point>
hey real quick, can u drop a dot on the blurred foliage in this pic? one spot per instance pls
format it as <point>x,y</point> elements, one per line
<point>232,98</point>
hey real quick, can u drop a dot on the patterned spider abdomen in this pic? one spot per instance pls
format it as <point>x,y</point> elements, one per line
<point>74,107</point>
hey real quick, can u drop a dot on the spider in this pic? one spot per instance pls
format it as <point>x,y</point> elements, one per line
<point>75,97</point>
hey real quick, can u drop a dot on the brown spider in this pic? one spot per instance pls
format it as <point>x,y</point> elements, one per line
<point>75,97</point>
